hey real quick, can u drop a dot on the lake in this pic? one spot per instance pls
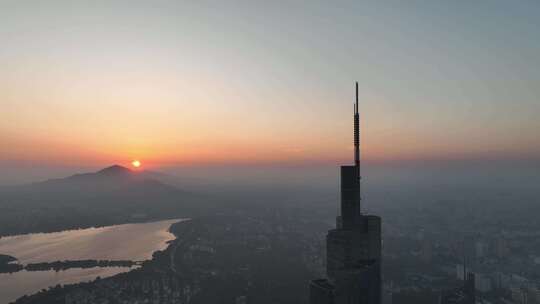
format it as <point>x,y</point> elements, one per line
<point>119,242</point>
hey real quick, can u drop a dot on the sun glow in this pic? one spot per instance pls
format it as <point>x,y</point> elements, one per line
<point>136,163</point>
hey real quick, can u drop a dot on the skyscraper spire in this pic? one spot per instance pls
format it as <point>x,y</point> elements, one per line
<point>353,248</point>
<point>356,134</point>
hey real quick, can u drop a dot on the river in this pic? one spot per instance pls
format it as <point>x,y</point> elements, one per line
<point>119,242</point>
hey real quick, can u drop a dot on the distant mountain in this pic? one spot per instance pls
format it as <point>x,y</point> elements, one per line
<point>114,170</point>
<point>110,179</point>
<point>112,195</point>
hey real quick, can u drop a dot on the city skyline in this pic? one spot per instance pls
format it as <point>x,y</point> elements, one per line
<point>269,152</point>
<point>183,84</point>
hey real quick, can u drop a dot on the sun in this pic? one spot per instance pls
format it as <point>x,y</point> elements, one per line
<point>136,163</point>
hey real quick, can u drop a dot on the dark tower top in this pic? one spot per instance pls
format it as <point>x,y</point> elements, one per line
<point>356,134</point>
<point>350,179</point>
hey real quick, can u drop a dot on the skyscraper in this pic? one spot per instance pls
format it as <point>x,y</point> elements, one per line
<point>353,249</point>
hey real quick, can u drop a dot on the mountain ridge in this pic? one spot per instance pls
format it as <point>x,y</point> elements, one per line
<point>112,195</point>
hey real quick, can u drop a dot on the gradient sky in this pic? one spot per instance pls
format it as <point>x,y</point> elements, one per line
<point>196,82</point>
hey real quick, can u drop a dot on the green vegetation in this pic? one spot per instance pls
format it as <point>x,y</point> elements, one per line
<point>6,265</point>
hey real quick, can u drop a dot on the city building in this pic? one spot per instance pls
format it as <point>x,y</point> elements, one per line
<point>353,248</point>
<point>461,295</point>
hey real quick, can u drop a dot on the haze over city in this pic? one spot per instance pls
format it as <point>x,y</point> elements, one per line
<point>349,152</point>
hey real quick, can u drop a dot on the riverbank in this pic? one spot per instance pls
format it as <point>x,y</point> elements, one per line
<point>68,257</point>
<point>65,265</point>
<point>45,230</point>
<point>213,259</point>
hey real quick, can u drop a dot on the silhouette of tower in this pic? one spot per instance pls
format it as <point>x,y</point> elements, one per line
<point>353,249</point>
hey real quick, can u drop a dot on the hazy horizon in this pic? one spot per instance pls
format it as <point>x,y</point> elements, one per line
<point>316,175</point>
<point>91,84</point>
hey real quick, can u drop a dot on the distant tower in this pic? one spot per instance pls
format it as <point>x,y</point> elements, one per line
<point>357,134</point>
<point>353,266</point>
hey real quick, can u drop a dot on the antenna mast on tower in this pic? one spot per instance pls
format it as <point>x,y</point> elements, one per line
<point>357,134</point>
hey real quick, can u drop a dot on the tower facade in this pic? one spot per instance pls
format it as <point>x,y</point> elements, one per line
<point>353,248</point>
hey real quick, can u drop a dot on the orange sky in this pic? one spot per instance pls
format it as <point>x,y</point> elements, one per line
<point>102,84</point>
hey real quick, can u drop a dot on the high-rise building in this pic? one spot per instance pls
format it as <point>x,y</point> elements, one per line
<point>353,249</point>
